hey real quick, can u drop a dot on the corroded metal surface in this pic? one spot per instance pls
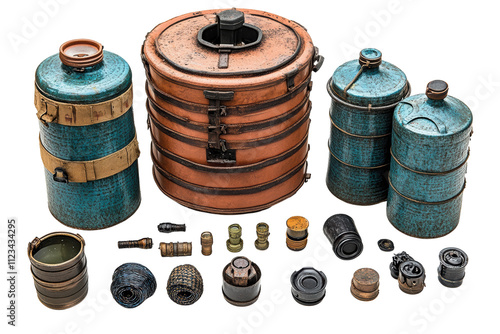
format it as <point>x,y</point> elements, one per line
<point>175,249</point>
<point>229,109</point>
<point>430,149</point>
<point>206,240</point>
<point>234,243</point>
<point>296,233</point>
<point>364,94</point>
<point>241,282</point>
<point>262,230</point>
<point>104,202</point>
<point>59,269</point>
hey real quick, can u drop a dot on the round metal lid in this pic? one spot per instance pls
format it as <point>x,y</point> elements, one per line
<point>379,84</point>
<point>297,223</point>
<point>194,45</point>
<point>434,113</point>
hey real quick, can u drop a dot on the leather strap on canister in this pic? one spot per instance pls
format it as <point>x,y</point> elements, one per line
<point>84,171</point>
<point>51,111</point>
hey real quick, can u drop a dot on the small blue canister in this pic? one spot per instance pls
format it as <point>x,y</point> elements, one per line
<point>364,94</point>
<point>430,148</point>
<point>88,143</point>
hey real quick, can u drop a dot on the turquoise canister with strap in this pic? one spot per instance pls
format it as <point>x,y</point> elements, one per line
<point>430,149</point>
<point>364,94</point>
<point>88,143</point>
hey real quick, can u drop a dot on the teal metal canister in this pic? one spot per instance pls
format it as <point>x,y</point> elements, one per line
<point>364,94</point>
<point>430,149</point>
<point>88,143</point>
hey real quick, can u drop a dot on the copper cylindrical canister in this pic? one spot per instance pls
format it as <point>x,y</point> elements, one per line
<point>364,284</point>
<point>296,233</point>
<point>229,108</point>
<point>175,249</point>
<point>59,269</point>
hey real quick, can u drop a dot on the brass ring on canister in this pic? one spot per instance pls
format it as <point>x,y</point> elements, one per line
<point>60,274</point>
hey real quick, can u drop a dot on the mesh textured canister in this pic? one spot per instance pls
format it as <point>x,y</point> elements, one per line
<point>132,284</point>
<point>185,285</point>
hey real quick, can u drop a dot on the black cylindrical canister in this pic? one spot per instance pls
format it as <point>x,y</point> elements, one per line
<point>343,236</point>
<point>451,270</point>
<point>59,269</point>
<point>241,282</point>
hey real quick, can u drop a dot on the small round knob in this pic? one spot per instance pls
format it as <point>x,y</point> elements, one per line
<point>370,58</point>
<point>437,90</point>
<point>80,53</point>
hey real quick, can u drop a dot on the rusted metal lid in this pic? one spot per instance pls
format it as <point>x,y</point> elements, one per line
<point>81,53</point>
<point>214,48</point>
<point>437,90</point>
<point>364,284</point>
<point>192,38</point>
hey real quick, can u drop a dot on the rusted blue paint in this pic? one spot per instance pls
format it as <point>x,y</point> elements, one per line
<point>105,202</point>
<point>361,124</point>
<point>430,143</point>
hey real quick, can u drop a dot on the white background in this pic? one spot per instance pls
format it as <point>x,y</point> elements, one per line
<point>456,41</point>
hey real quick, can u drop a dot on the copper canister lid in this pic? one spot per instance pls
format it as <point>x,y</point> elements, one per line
<point>364,284</point>
<point>81,53</point>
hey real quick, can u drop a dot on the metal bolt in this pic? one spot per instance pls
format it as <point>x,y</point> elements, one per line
<point>175,249</point>
<point>234,243</point>
<point>144,243</point>
<point>262,230</point>
<point>206,243</point>
<point>169,227</point>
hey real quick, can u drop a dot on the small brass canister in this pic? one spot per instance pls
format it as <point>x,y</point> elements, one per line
<point>411,277</point>
<point>207,241</point>
<point>175,249</point>
<point>59,269</point>
<point>296,233</point>
<point>234,243</point>
<point>364,284</point>
<point>262,234</point>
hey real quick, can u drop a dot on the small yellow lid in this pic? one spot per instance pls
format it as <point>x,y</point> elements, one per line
<point>297,223</point>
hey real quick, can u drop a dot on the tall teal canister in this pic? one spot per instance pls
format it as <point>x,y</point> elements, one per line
<point>364,94</point>
<point>88,143</point>
<point>430,149</point>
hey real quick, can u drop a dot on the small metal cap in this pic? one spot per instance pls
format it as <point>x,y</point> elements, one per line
<point>81,53</point>
<point>296,233</point>
<point>411,277</point>
<point>230,19</point>
<point>365,284</point>
<point>437,90</point>
<point>385,245</point>
<point>234,243</point>
<point>262,230</point>
<point>370,58</point>
<point>308,286</point>
<point>397,260</point>
<point>206,243</point>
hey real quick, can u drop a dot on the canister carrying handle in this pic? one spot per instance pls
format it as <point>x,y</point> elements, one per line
<point>84,171</point>
<point>429,203</point>
<point>357,136</point>
<point>431,173</point>
<point>362,108</point>
<point>360,167</point>
<point>71,114</point>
